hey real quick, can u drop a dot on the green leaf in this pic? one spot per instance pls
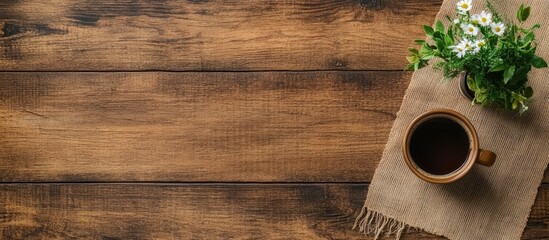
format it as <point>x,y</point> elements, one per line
<point>518,100</point>
<point>478,81</point>
<point>519,12</point>
<point>538,62</point>
<point>439,26</point>
<point>412,58</point>
<point>413,51</point>
<point>440,44</point>
<point>528,38</point>
<point>409,67</point>
<point>451,33</point>
<point>526,48</point>
<point>427,57</point>
<point>425,50</point>
<point>535,26</point>
<point>512,32</point>
<point>525,13</point>
<point>480,96</point>
<point>497,68</point>
<point>528,92</point>
<point>519,97</point>
<point>419,42</point>
<point>508,74</point>
<point>448,40</point>
<point>438,35</point>
<point>428,30</point>
<point>416,65</point>
<point>471,84</point>
<point>520,77</point>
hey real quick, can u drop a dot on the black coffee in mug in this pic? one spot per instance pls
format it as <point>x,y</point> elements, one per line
<point>439,146</point>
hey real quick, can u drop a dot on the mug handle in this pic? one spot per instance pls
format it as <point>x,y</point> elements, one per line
<point>486,158</point>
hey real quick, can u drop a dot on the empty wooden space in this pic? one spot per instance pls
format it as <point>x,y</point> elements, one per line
<point>138,119</point>
<point>310,126</point>
<point>201,211</point>
<point>209,35</point>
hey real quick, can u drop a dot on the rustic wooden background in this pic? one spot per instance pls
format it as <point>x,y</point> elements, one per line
<point>142,119</point>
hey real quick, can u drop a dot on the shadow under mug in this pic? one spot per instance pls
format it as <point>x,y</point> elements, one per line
<point>436,131</point>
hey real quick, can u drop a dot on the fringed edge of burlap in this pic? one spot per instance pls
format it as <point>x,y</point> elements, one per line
<point>376,224</point>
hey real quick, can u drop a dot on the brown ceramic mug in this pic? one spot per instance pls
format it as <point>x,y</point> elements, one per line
<point>441,146</point>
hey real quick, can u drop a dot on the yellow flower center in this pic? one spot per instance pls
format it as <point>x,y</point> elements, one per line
<point>483,19</point>
<point>497,29</point>
<point>464,5</point>
<point>471,29</point>
<point>480,44</point>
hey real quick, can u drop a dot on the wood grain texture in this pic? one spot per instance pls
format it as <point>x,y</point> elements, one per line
<point>210,35</point>
<point>133,211</point>
<point>278,126</point>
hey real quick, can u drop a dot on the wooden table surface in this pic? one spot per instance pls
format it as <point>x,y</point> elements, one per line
<point>200,119</point>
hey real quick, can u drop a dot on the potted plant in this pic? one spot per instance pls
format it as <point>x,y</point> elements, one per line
<point>492,55</point>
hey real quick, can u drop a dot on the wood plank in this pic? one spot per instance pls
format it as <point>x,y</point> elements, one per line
<point>253,127</point>
<point>133,211</point>
<point>210,35</point>
<point>154,126</point>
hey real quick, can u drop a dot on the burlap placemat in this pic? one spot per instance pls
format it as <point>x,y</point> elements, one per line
<point>488,203</point>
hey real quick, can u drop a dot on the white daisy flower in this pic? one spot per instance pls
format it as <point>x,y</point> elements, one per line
<point>456,21</point>
<point>464,6</point>
<point>498,28</point>
<point>475,18</point>
<point>478,44</point>
<point>460,50</point>
<point>467,44</point>
<point>485,18</point>
<point>470,29</point>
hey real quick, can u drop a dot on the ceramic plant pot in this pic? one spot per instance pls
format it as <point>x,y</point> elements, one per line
<point>464,89</point>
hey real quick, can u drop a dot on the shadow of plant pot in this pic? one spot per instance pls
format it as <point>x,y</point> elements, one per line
<point>464,89</point>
